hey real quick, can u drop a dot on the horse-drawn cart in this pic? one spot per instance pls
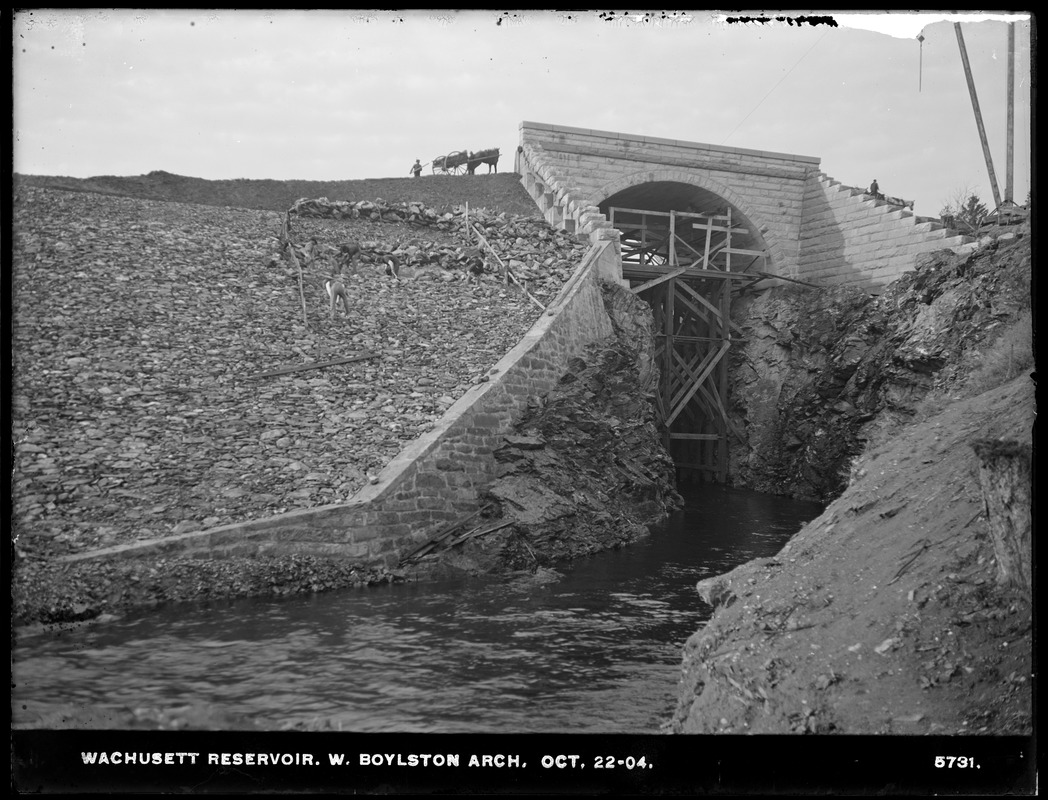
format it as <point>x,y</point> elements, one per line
<point>461,161</point>
<point>454,163</point>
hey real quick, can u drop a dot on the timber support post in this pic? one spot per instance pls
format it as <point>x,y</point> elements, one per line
<point>680,262</point>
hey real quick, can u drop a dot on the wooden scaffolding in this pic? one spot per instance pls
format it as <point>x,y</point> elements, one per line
<point>682,264</point>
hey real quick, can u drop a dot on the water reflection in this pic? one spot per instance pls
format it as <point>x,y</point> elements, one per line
<point>597,649</point>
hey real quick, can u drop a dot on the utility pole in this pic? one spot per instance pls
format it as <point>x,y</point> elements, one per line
<point>1010,154</point>
<point>978,115</point>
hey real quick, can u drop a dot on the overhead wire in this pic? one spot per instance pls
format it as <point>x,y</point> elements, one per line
<point>776,86</point>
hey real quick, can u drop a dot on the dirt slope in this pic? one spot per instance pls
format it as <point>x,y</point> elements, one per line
<point>885,615</point>
<point>882,616</point>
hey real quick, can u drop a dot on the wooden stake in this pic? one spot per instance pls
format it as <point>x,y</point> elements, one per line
<point>285,240</point>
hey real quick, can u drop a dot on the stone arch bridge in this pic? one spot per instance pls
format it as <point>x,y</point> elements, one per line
<point>806,225</point>
<point>693,222</point>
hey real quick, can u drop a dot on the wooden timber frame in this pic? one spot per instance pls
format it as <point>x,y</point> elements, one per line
<point>681,264</point>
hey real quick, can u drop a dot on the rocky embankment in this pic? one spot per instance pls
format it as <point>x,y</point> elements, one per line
<point>145,335</point>
<point>826,370</point>
<point>897,611</point>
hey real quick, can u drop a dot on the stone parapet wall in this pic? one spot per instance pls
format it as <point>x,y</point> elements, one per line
<point>849,238</point>
<point>437,477</point>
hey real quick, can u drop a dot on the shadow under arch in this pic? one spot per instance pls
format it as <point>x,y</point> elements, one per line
<point>666,189</point>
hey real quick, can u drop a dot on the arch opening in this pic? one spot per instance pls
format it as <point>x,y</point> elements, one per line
<point>646,238</point>
<point>684,248</point>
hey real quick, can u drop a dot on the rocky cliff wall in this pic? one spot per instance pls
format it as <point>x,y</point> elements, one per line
<point>823,371</point>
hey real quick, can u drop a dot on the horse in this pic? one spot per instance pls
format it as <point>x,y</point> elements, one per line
<point>489,157</point>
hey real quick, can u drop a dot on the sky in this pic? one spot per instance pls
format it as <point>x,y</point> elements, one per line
<point>352,94</point>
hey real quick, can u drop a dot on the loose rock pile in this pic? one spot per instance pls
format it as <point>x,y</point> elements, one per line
<point>140,327</point>
<point>529,248</point>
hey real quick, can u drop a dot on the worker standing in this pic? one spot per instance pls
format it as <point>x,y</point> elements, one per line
<point>416,168</point>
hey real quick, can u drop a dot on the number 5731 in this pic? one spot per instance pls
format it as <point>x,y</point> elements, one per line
<point>961,762</point>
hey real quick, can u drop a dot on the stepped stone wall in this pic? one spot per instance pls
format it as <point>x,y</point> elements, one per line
<point>850,238</point>
<point>437,477</point>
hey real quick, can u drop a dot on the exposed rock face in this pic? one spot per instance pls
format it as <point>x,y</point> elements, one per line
<point>904,608</point>
<point>825,369</point>
<point>586,470</point>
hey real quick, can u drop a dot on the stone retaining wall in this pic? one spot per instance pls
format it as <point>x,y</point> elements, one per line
<point>436,478</point>
<point>849,238</point>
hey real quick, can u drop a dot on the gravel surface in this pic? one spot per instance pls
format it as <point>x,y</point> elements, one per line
<point>140,327</point>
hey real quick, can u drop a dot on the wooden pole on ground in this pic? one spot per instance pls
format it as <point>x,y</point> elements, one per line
<point>509,276</point>
<point>285,240</point>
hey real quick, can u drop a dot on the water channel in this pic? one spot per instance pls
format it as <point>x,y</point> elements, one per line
<point>593,647</point>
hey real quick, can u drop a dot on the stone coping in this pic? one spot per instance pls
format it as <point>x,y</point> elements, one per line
<point>659,140</point>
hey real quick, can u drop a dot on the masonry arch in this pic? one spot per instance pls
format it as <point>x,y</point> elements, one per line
<point>677,190</point>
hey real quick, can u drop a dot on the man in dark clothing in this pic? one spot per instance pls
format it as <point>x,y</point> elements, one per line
<point>416,168</point>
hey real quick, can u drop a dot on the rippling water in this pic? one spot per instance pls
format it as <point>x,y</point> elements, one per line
<point>594,647</point>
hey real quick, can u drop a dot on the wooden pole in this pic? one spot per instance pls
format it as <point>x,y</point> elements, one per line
<point>727,239</point>
<point>1010,155</point>
<point>285,236</point>
<point>673,238</point>
<point>509,276</point>
<point>667,329</point>
<point>643,239</point>
<point>722,448</point>
<point>978,115</point>
<point>709,235</point>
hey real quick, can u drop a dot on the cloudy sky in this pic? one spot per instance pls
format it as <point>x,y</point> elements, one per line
<point>339,95</point>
